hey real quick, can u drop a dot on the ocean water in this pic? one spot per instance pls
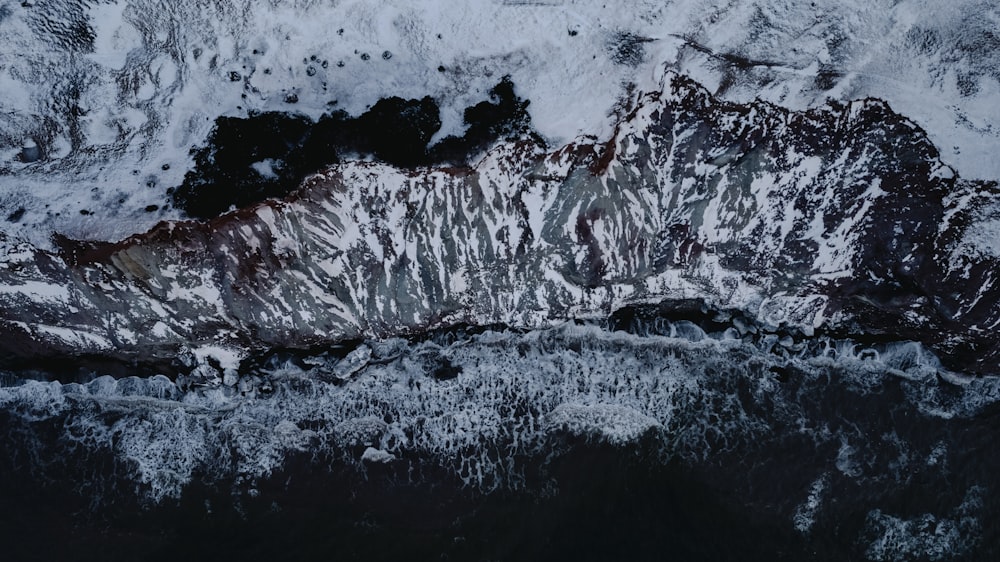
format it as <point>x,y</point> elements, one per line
<point>662,442</point>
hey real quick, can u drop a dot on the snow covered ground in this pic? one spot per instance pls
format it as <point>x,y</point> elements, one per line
<point>111,96</point>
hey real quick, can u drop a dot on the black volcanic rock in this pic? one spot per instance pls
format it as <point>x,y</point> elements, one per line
<point>504,117</point>
<point>264,155</point>
<point>398,131</point>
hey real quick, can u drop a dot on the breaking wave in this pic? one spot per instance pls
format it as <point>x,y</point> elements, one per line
<point>814,435</point>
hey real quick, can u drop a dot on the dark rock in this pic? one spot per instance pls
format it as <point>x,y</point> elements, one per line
<point>504,117</point>
<point>445,370</point>
<point>394,130</point>
<point>30,152</point>
<point>16,215</point>
<point>840,221</point>
<point>223,175</point>
<point>397,130</point>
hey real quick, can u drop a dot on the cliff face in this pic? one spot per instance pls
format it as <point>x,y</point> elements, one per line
<point>840,219</point>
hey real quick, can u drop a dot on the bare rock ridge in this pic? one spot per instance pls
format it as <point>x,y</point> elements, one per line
<point>840,219</point>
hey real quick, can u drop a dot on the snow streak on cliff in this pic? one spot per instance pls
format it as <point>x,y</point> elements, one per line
<point>839,219</point>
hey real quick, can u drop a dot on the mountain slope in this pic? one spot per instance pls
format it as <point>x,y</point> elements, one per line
<point>840,218</point>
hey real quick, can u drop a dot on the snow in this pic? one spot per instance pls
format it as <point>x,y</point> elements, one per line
<point>982,238</point>
<point>69,336</point>
<point>37,291</point>
<point>155,79</point>
<point>116,37</point>
<point>227,357</point>
<point>206,290</point>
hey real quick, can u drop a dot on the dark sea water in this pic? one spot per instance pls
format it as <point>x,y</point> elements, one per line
<point>573,443</point>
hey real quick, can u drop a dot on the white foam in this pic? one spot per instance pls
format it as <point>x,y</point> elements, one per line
<point>927,536</point>
<point>379,456</point>
<point>611,422</point>
<point>805,514</point>
<point>697,401</point>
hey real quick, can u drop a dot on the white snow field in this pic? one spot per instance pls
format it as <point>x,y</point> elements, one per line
<point>102,101</point>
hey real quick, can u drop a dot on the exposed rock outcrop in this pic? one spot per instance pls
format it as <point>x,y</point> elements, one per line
<point>841,218</point>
